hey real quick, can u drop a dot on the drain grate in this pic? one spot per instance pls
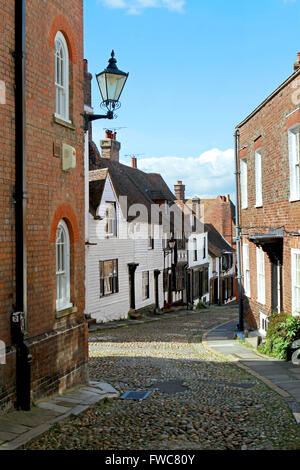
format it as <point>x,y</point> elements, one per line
<point>135,395</point>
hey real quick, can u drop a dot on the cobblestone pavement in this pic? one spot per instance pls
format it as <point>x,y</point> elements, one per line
<point>216,404</point>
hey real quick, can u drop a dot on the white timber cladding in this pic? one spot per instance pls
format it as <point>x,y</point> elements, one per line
<point>244,184</point>
<point>129,244</point>
<point>197,240</point>
<point>258,179</point>
<point>148,260</point>
<point>246,268</point>
<point>293,144</point>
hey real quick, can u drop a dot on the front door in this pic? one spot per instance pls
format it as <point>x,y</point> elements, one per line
<point>276,287</point>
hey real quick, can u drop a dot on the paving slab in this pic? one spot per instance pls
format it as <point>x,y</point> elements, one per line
<point>7,436</point>
<point>13,428</point>
<point>53,407</point>
<point>17,428</point>
<point>283,377</point>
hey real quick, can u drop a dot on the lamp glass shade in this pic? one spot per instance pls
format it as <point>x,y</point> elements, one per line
<point>111,81</point>
<point>111,85</point>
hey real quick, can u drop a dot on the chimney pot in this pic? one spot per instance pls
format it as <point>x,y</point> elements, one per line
<point>297,64</point>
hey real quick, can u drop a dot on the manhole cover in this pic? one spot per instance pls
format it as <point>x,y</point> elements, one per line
<point>170,386</point>
<point>132,395</point>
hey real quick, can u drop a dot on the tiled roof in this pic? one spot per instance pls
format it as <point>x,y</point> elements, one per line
<point>139,187</point>
<point>216,243</point>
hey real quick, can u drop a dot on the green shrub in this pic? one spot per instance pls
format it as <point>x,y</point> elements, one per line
<point>282,331</point>
<point>200,305</point>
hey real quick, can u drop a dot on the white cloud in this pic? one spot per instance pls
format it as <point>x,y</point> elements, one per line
<point>134,7</point>
<point>209,175</point>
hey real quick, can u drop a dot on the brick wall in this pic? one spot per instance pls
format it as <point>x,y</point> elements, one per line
<point>50,191</point>
<point>267,129</point>
<point>219,213</point>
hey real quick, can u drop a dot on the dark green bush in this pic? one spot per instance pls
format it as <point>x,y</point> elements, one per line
<point>282,331</point>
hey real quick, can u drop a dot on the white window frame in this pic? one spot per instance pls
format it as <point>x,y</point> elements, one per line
<point>246,266</point>
<point>295,310</point>
<point>263,323</point>
<point>258,178</point>
<point>294,161</point>
<point>62,87</point>
<point>145,285</point>
<point>195,250</point>
<point>62,268</point>
<point>111,222</point>
<point>261,278</point>
<point>244,183</point>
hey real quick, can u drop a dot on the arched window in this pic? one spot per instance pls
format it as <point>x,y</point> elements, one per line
<point>61,77</point>
<point>62,267</point>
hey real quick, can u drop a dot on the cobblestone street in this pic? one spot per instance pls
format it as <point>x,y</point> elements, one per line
<point>199,400</point>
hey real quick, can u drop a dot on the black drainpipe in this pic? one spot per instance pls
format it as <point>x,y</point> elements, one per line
<point>19,316</point>
<point>240,325</point>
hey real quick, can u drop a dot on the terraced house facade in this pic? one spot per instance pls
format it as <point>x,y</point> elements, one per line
<point>270,204</point>
<point>42,252</point>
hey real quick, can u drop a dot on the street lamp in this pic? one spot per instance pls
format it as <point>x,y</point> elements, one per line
<point>171,246</point>
<point>111,83</point>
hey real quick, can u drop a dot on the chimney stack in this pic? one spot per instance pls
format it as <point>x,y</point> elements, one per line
<point>297,64</point>
<point>133,162</point>
<point>179,190</point>
<point>110,147</point>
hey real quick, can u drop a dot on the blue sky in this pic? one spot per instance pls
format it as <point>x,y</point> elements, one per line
<point>196,69</point>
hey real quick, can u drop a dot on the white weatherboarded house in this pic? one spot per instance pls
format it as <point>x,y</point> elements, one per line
<point>124,255</point>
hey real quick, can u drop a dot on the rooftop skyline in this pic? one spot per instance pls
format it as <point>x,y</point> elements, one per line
<point>196,69</point>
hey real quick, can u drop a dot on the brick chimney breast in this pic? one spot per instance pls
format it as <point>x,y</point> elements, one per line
<point>179,190</point>
<point>110,148</point>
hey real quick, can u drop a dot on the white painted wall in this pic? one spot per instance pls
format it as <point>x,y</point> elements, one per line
<point>130,245</point>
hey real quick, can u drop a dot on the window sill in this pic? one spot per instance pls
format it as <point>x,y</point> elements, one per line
<point>259,206</point>
<point>294,199</point>
<point>65,312</point>
<point>64,123</point>
<point>261,302</point>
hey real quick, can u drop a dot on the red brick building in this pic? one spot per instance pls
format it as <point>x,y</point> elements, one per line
<point>53,204</point>
<point>270,204</point>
